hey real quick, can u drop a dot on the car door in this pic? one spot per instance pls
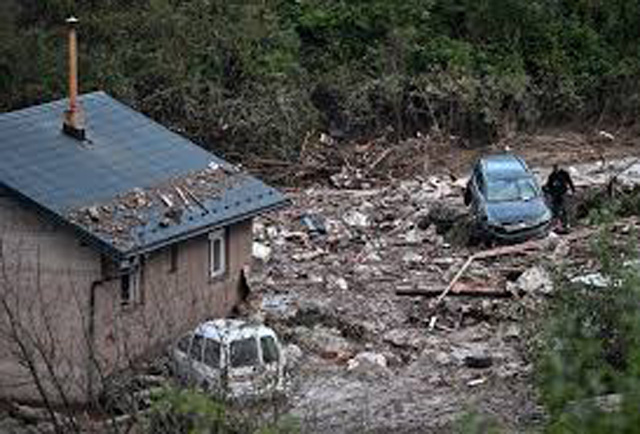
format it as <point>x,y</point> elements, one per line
<point>198,368</point>
<point>244,365</point>
<point>182,362</point>
<point>272,360</point>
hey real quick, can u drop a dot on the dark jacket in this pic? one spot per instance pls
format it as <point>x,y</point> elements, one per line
<point>559,182</point>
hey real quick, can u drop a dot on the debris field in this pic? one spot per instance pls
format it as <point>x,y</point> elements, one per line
<point>396,323</point>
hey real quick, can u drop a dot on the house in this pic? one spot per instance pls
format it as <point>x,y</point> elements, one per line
<point>116,236</point>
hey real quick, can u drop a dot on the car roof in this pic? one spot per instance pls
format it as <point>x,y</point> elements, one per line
<point>232,329</point>
<point>504,166</point>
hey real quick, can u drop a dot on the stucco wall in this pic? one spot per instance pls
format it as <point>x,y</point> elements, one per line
<point>46,277</point>
<point>171,302</point>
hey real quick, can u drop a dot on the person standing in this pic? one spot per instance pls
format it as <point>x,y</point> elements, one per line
<point>558,184</point>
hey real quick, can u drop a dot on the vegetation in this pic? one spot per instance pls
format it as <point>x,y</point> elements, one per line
<point>589,364</point>
<point>254,78</point>
<point>181,410</point>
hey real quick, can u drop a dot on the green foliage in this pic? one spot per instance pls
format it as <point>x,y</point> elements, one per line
<point>257,77</point>
<point>476,423</point>
<point>180,410</point>
<point>591,349</point>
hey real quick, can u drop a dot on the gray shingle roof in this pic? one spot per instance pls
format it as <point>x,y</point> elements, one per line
<point>125,152</point>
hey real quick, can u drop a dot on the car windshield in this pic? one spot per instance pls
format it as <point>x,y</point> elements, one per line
<point>508,190</point>
<point>244,352</point>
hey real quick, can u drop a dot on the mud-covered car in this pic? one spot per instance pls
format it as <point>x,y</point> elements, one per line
<point>506,201</point>
<point>231,358</point>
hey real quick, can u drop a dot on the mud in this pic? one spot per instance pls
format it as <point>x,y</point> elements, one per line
<point>441,361</point>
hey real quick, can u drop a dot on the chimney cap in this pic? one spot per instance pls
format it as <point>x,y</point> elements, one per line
<point>72,20</point>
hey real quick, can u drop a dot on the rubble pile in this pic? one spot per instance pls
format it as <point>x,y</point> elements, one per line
<point>124,218</point>
<point>336,259</point>
<point>402,325</point>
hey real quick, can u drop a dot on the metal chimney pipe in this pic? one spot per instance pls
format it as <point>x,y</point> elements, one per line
<point>74,117</point>
<point>73,64</point>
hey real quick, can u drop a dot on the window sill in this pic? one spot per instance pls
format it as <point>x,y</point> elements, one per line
<point>216,278</point>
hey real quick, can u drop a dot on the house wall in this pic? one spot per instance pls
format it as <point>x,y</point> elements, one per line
<point>171,302</point>
<point>53,314</point>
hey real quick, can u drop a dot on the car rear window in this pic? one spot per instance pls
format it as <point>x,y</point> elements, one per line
<point>509,190</point>
<point>212,353</point>
<point>269,349</point>
<point>244,352</point>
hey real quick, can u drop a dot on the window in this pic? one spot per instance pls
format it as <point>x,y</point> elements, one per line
<point>183,344</point>
<point>130,283</point>
<point>269,349</point>
<point>195,352</point>
<point>508,190</point>
<point>217,253</point>
<point>173,258</point>
<point>244,352</point>
<point>212,353</point>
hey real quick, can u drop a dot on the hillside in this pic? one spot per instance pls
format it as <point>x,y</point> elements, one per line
<point>255,79</point>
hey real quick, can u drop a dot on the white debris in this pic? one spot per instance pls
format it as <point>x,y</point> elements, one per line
<point>261,251</point>
<point>342,283</point>
<point>596,280</point>
<point>356,219</point>
<point>278,304</point>
<point>293,354</point>
<point>326,139</point>
<point>367,359</point>
<point>535,280</point>
<point>213,165</point>
<point>606,135</point>
<point>412,258</point>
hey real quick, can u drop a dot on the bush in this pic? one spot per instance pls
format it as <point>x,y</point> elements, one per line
<point>590,348</point>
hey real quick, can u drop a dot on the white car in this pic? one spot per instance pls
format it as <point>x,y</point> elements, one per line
<point>231,358</point>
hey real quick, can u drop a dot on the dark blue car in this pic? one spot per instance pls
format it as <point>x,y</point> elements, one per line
<point>506,201</point>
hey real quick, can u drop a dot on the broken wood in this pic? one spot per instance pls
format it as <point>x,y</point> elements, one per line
<point>459,288</point>
<point>499,251</point>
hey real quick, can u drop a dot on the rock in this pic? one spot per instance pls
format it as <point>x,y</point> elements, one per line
<point>325,341</point>
<point>561,251</point>
<point>308,256</point>
<point>261,251</point>
<point>412,237</point>
<point>293,355</point>
<point>512,332</point>
<point>535,280</point>
<point>337,282</point>
<point>412,258</point>
<point>405,338</point>
<point>367,359</point>
<point>356,219</point>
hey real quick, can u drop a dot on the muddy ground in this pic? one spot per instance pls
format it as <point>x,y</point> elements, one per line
<point>371,223</point>
<point>327,271</point>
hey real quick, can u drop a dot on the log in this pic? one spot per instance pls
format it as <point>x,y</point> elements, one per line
<point>460,288</point>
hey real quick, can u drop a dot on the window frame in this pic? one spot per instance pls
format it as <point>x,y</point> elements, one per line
<point>220,236</point>
<point>133,277</point>
<point>173,258</point>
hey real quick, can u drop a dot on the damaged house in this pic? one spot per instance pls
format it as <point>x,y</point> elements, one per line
<point>116,236</point>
